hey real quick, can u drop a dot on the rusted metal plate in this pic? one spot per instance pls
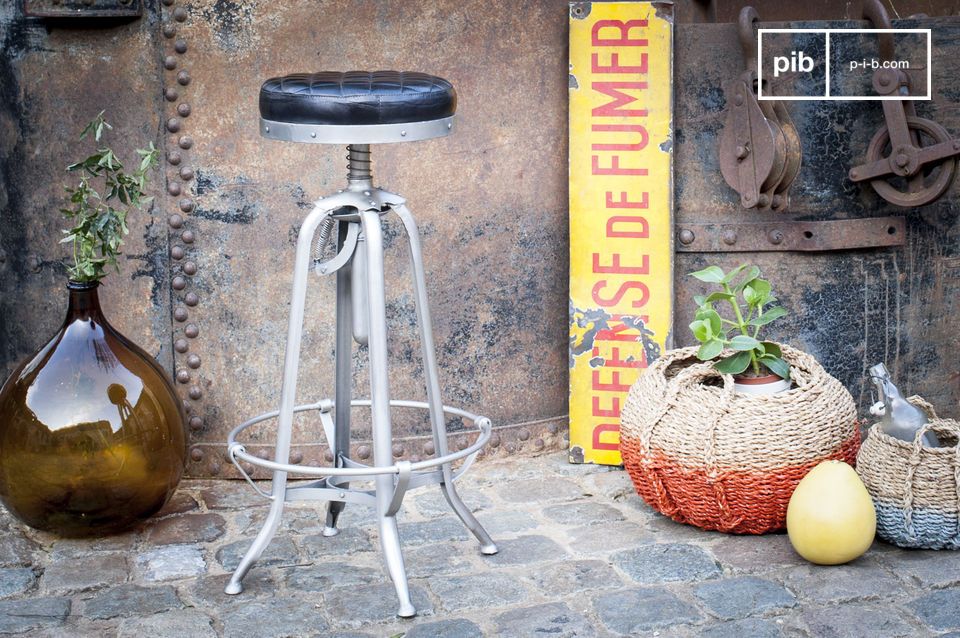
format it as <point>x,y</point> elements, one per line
<point>778,236</point>
<point>83,8</point>
<point>853,308</point>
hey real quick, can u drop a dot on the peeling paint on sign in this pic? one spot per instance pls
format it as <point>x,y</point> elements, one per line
<point>621,271</point>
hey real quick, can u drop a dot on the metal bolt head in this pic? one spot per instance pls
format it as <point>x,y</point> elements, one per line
<point>181,345</point>
<point>171,94</point>
<point>523,434</point>
<point>177,252</point>
<point>180,46</point>
<point>169,30</point>
<point>185,142</point>
<point>775,236</point>
<point>196,423</point>
<point>363,452</point>
<point>763,201</point>
<point>183,78</point>
<point>175,220</point>
<point>296,457</point>
<point>178,283</point>
<point>169,63</point>
<point>901,159</point>
<point>742,151</point>
<point>33,263</point>
<point>180,314</point>
<point>429,449</point>
<point>183,376</point>
<point>173,124</point>
<point>174,157</point>
<point>186,205</point>
<point>196,454</point>
<point>397,450</point>
<point>193,360</point>
<point>183,109</point>
<point>180,14</point>
<point>686,236</point>
<point>729,237</point>
<point>191,299</point>
<point>190,268</point>
<point>403,133</point>
<point>186,173</point>
<point>173,188</point>
<point>187,236</point>
<point>195,392</point>
<point>191,330</point>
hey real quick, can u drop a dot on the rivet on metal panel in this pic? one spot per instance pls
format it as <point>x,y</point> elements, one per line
<point>729,237</point>
<point>171,94</point>
<point>183,376</point>
<point>178,283</point>
<point>183,109</point>
<point>180,46</point>
<point>523,434</point>
<point>185,142</point>
<point>363,452</point>
<point>398,450</point>
<point>181,345</point>
<point>775,236</point>
<point>180,14</point>
<point>510,447</point>
<point>173,124</point>
<point>191,299</point>
<point>186,173</point>
<point>175,221</point>
<point>191,330</point>
<point>169,63</point>
<point>169,30</point>
<point>196,423</point>
<point>195,392</point>
<point>552,428</point>
<point>686,236</point>
<point>187,236</point>
<point>429,449</point>
<point>183,78</point>
<point>296,457</point>
<point>186,205</point>
<point>328,456</point>
<point>494,440</point>
<point>193,361</point>
<point>173,188</point>
<point>168,3</point>
<point>190,268</point>
<point>180,314</point>
<point>196,454</point>
<point>174,157</point>
<point>177,252</point>
<point>186,406</point>
<point>538,444</point>
<point>214,468</point>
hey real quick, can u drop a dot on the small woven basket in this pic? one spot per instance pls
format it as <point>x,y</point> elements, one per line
<point>915,489</point>
<point>703,454</point>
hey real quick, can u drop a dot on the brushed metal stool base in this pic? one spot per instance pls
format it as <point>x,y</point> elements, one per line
<point>361,317</point>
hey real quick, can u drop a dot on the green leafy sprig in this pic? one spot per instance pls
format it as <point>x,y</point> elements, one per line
<point>99,204</point>
<point>748,297</point>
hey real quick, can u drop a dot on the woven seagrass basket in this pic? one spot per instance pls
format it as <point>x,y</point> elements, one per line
<point>915,489</point>
<point>703,454</point>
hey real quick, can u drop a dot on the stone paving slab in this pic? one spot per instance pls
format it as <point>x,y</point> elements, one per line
<point>580,555</point>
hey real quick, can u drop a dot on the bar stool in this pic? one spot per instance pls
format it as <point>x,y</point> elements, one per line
<point>358,109</point>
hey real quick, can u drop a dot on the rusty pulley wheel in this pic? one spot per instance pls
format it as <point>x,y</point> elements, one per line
<point>913,175</point>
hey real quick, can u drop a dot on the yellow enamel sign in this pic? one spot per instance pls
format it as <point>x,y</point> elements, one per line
<point>621,200</point>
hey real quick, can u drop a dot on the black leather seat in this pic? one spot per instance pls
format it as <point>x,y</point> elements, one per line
<point>357,97</point>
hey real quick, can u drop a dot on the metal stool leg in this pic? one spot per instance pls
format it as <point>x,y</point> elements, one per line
<point>287,398</point>
<point>380,407</point>
<point>487,546</point>
<point>344,376</point>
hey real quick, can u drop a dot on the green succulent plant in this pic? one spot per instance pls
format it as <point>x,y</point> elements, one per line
<point>749,299</point>
<point>98,205</point>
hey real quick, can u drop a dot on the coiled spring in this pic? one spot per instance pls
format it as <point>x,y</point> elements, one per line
<point>358,162</point>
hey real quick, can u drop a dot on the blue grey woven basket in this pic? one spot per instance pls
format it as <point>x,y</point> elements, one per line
<point>915,489</point>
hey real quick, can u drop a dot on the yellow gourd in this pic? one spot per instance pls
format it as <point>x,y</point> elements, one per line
<point>830,518</point>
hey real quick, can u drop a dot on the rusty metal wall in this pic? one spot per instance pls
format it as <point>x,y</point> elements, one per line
<point>204,286</point>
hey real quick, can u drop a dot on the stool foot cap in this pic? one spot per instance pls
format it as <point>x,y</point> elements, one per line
<point>488,550</point>
<point>331,531</point>
<point>407,611</point>
<point>233,588</point>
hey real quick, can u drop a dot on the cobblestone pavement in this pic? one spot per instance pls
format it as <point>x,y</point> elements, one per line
<point>580,555</point>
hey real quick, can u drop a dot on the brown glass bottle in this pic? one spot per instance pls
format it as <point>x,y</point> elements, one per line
<point>91,431</point>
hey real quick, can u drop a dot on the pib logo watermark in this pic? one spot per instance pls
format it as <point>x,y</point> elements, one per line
<point>839,64</point>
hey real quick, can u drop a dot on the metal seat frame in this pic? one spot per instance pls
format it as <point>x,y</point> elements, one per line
<point>357,213</point>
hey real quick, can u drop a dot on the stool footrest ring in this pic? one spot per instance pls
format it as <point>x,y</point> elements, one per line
<point>406,471</point>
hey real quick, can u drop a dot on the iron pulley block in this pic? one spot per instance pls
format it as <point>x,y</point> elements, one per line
<point>911,161</point>
<point>760,152</point>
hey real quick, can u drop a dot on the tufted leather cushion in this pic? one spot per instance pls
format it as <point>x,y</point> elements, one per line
<point>357,97</point>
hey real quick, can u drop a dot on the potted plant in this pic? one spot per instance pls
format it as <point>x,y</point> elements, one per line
<point>91,430</point>
<point>757,365</point>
